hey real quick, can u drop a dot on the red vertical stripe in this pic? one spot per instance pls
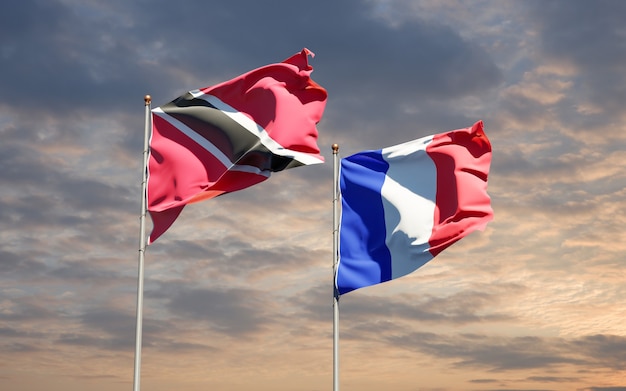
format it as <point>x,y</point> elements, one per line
<point>463,159</point>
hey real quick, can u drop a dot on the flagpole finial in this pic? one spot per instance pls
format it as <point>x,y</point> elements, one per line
<point>335,148</point>
<point>147,99</point>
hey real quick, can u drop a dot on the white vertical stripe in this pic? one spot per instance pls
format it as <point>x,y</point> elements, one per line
<point>408,194</point>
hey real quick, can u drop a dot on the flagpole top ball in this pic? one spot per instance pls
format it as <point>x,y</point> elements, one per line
<point>147,99</point>
<point>335,148</point>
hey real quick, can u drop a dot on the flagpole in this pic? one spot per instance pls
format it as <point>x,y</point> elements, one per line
<point>335,261</point>
<point>142,246</point>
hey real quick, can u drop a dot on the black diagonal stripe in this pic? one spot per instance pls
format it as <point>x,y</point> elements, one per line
<point>235,141</point>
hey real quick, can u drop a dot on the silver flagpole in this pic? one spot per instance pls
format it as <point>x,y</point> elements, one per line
<point>335,261</point>
<point>142,247</point>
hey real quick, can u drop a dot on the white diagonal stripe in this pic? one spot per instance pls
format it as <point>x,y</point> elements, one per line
<point>207,145</point>
<point>255,129</point>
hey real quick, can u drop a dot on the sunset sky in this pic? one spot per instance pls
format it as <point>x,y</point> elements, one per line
<point>238,293</point>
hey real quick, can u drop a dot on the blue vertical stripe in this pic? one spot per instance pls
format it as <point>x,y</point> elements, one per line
<point>364,258</point>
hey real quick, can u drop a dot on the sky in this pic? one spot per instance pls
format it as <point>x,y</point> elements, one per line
<point>238,293</point>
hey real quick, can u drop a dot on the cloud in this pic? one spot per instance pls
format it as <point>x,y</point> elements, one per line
<point>593,48</point>
<point>239,291</point>
<point>501,354</point>
<point>234,312</point>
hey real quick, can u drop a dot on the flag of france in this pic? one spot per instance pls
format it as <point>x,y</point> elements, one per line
<point>403,205</point>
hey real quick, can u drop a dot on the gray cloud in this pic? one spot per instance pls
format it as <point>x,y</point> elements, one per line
<point>232,311</point>
<point>500,354</point>
<point>592,40</point>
